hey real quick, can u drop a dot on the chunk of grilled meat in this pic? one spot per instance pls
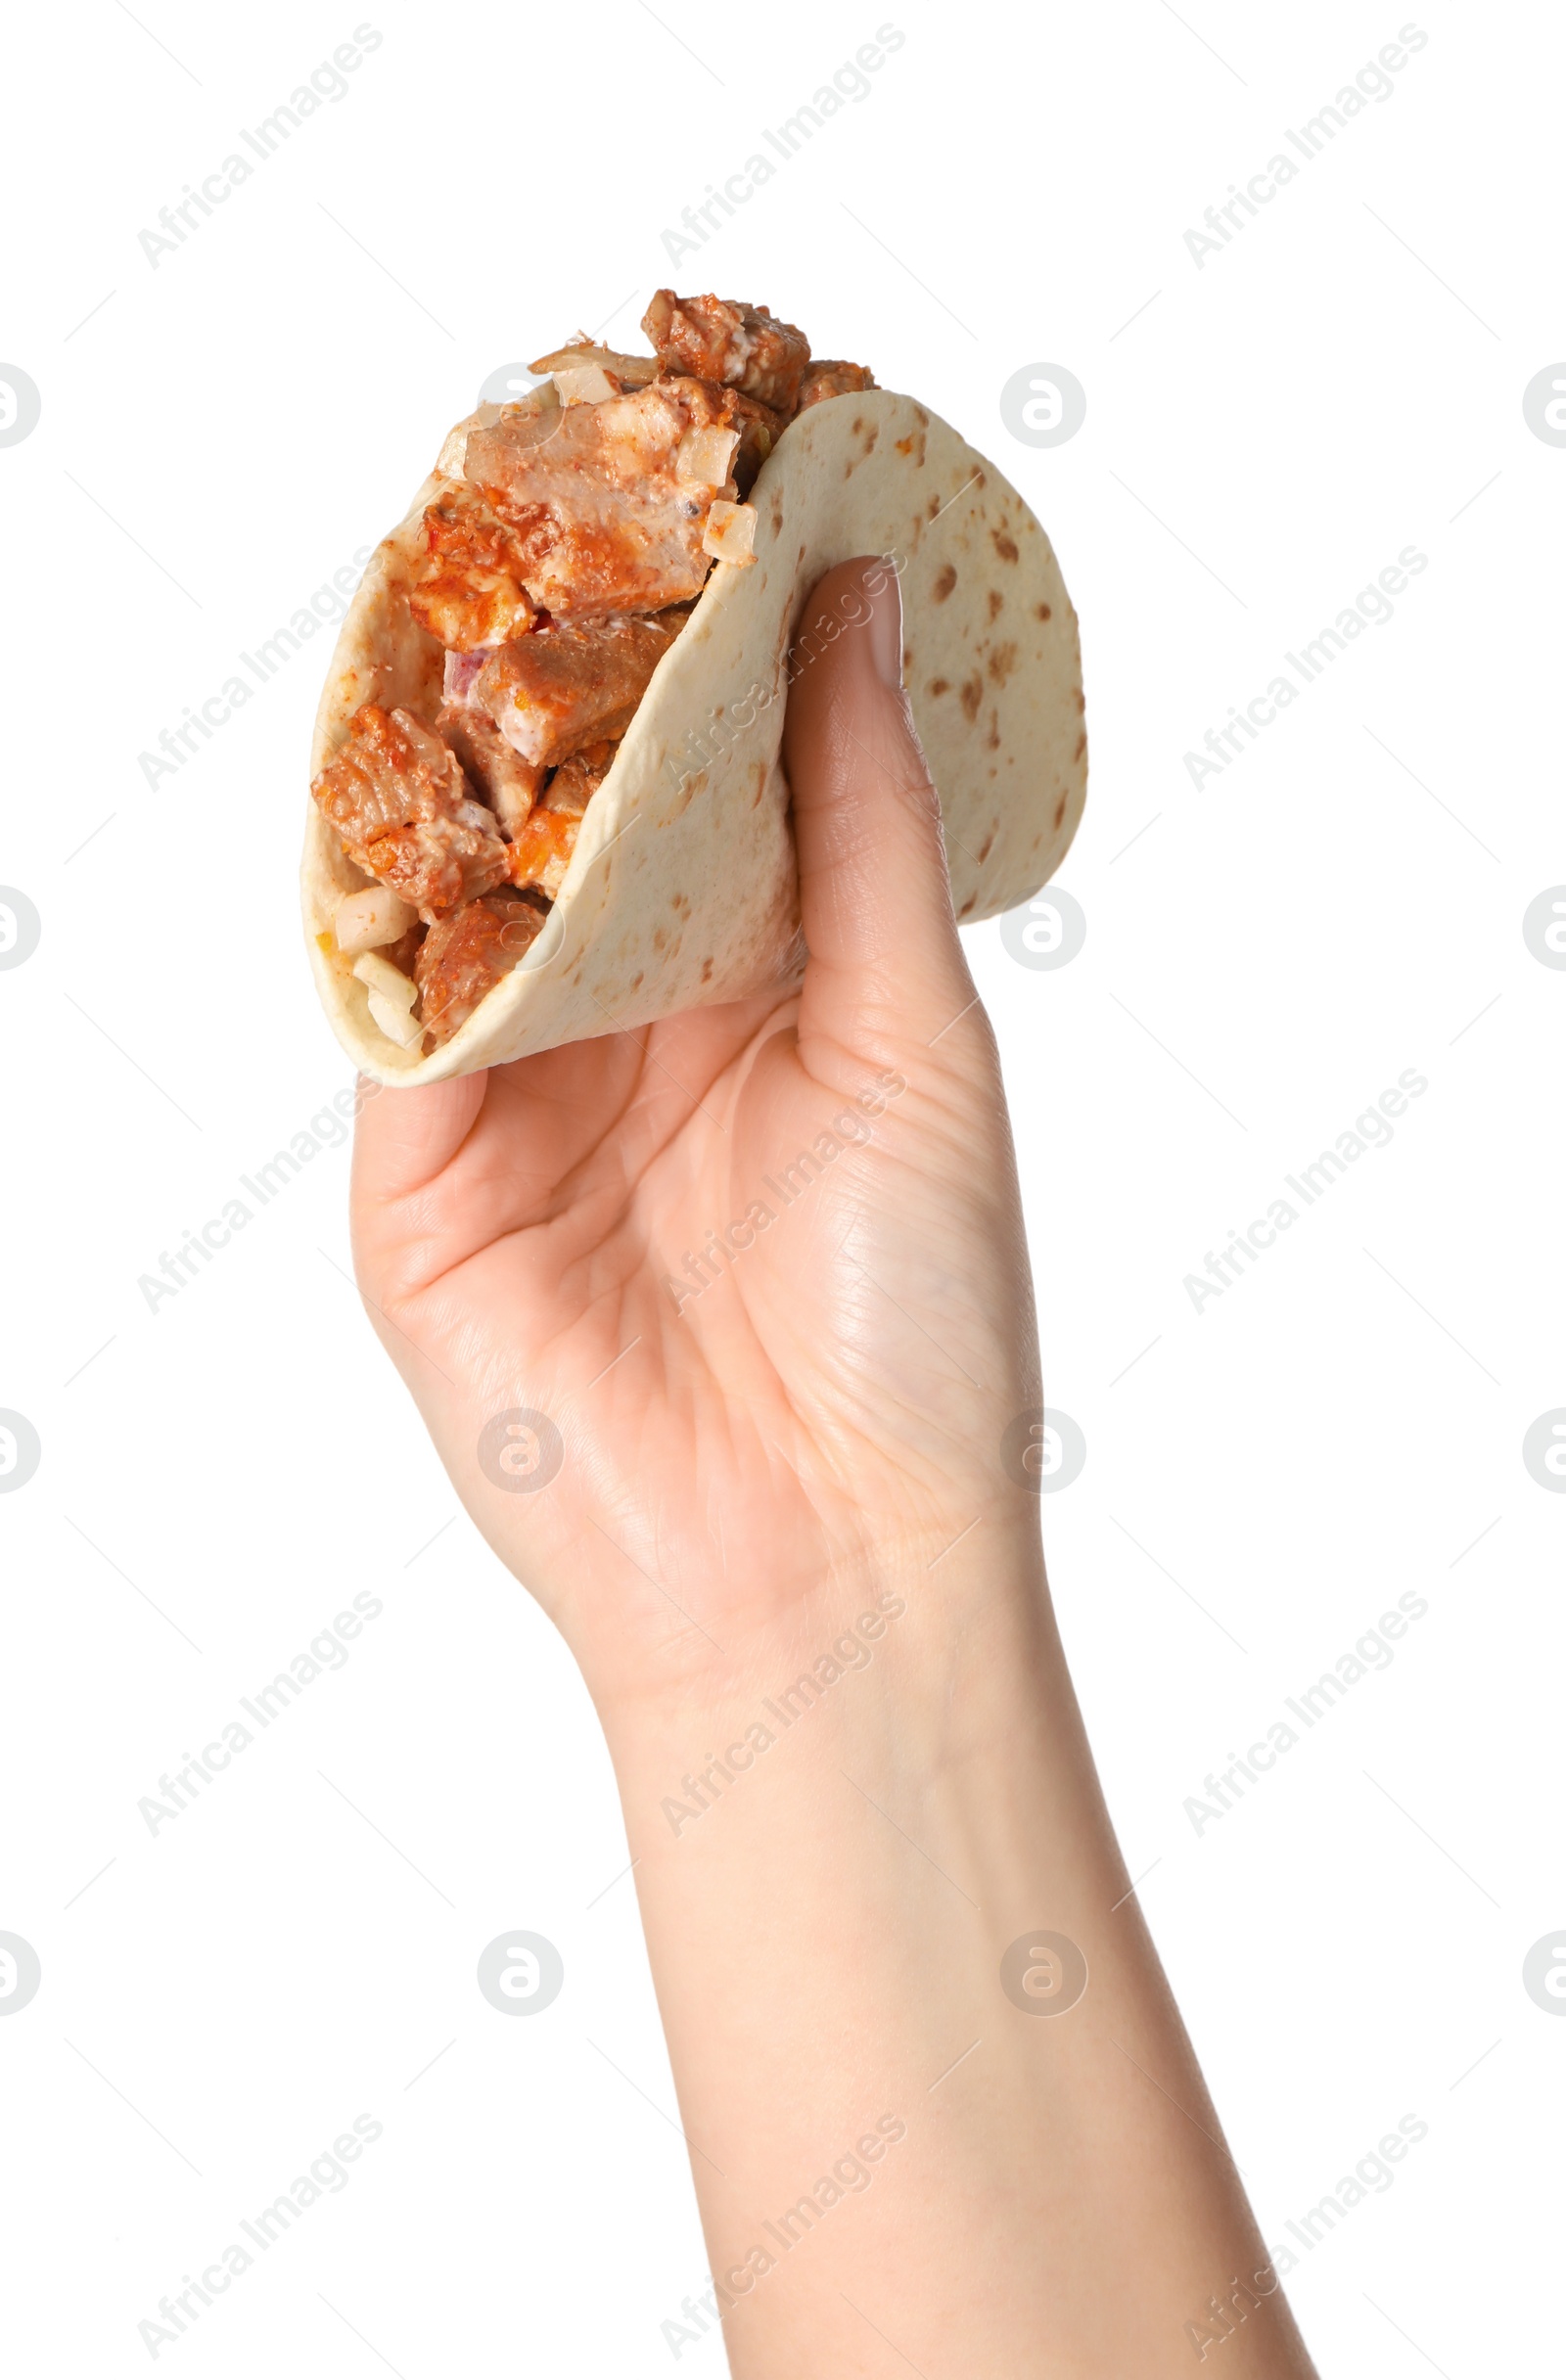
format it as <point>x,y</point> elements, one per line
<point>467,954</point>
<point>401,808</point>
<point>723,338</point>
<point>574,682</point>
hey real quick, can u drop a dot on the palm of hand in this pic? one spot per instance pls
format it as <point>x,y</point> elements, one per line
<point>813,1392</point>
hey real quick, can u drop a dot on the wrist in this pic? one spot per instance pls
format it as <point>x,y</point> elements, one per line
<point>896,1677</point>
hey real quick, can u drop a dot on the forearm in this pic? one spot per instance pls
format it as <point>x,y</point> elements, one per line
<point>1041,2192</point>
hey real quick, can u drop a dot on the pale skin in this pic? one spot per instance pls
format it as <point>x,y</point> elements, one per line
<point>755,1473</point>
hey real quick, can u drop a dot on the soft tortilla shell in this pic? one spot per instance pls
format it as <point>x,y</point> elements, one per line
<point>682,890</point>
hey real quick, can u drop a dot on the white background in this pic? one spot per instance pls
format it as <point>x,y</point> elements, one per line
<point>1263,957</point>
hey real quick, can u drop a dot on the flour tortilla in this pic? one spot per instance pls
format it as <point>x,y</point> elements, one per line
<point>682,889</point>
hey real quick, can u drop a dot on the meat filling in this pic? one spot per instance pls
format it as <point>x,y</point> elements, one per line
<point>496,771</point>
<point>472,591</point>
<point>574,682</point>
<point>823,380</point>
<point>541,852</point>
<point>404,812</point>
<point>599,517</point>
<point>724,339</point>
<point>467,954</point>
<point>570,534</point>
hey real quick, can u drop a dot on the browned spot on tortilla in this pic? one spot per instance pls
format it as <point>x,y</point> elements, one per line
<point>921,415</point>
<point>685,793</point>
<point>1041,610</point>
<point>988,845</point>
<point>659,938</point>
<point>940,685</point>
<point>972,902</point>
<point>979,480</point>
<point>946,581</point>
<point>678,902</point>
<point>1006,547</point>
<point>875,433</point>
<point>1002,661</point>
<point>906,445</point>
<point>993,739</point>
<point>971,692</point>
<point>858,424</point>
<point>1082,746</point>
<point>760,783</point>
<point>1078,698</point>
<point>636,981</point>
<point>933,508</point>
<point>706,970</point>
<point>777,516</point>
<point>1060,812</point>
<point>996,599</point>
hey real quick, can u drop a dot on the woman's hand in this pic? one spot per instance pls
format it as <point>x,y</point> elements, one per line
<point>761,1266</point>
<point>809,1603</point>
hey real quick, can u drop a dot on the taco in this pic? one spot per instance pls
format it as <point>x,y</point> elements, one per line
<point>547,801</point>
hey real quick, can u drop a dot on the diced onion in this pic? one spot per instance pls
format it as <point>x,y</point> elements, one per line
<point>385,983</point>
<point>405,1031</point>
<point>584,385</point>
<point>369,919</point>
<point>731,533</point>
<point>704,455</point>
<point>634,371</point>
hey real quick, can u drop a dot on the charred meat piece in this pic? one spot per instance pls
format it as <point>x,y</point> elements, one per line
<point>402,811</point>
<point>600,516</point>
<point>508,782</point>
<point>724,339</point>
<point>470,590</point>
<point>574,682</point>
<point>466,955</point>
<point>823,380</point>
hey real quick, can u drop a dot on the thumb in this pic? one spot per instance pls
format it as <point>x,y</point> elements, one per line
<point>874,893</point>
